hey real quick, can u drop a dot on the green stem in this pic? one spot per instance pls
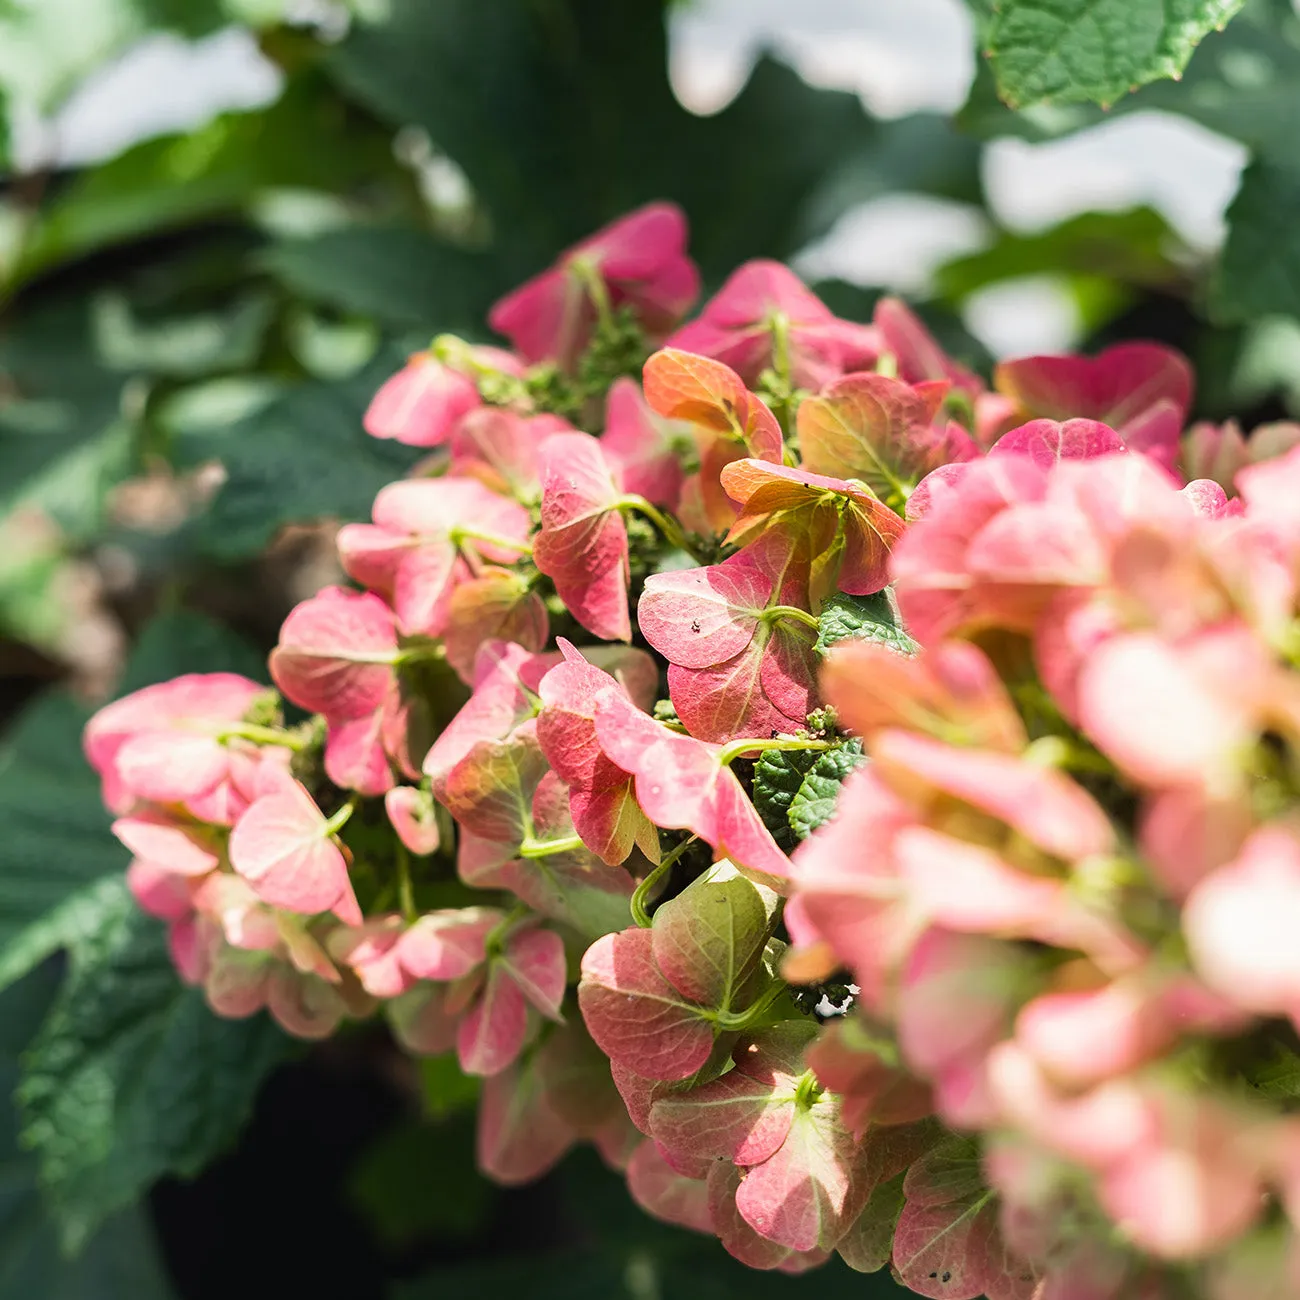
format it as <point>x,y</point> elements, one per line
<point>740,1020</point>
<point>464,533</point>
<point>733,750</point>
<point>773,612</point>
<point>344,815</point>
<point>496,937</point>
<point>413,655</point>
<point>673,532</point>
<point>1060,751</point>
<point>532,848</point>
<point>589,276</point>
<point>262,735</point>
<point>405,890</point>
<point>642,891</point>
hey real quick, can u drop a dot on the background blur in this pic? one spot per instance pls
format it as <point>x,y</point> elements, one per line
<point>222,223</point>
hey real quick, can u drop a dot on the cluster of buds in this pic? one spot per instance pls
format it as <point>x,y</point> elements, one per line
<point>574,715</point>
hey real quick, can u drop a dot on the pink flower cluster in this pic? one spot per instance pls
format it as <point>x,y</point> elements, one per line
<point>1077,914</point>
<point>530,822</point>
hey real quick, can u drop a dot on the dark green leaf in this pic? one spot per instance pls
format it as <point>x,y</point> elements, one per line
<point>862,618</point>
<point>131,1076</point>
<point>420,1180</point>
<point>1244,83</point>
<point>445,1089</point>
<point>183,346</point>
<point>527,103</point>
<point>175,181</point>
<point>1259,273</point>
<point>814,802</point>
<point>301,457</point>
<point>1065,51</point>
<point>60,868</point>
<point>778,776</point>
<point>399,276</point>
<point>121,1260</point>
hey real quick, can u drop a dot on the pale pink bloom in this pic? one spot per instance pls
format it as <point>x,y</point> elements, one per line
<point>1173,714</point>
<point>1240,924</point>
<point>640,260</point>
<point>1082,1037</point>
<point>957,996</point>
<point>284,848</point>
<point>164,743</point>
<point>764,312</point>
<point>853,897</point>
<point>951,691</point>
<point>421,402</point>
<point>412,815</point>
<point>337,656</point>
<point>411,553</point>
<point>370,951</point>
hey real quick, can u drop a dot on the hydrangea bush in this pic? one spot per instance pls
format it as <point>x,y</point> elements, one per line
<point>860,801</point>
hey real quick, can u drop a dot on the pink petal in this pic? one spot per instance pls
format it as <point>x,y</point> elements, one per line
<point>281,847</point>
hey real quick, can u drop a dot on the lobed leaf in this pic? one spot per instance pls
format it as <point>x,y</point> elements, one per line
<point>813,804</point>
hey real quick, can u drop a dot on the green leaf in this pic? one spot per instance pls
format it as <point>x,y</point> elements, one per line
<point>814,803</point>
<point>131,1076</point>
<point>445,1089</point>
<point>420,1180</point>
<point>121,1260</point>
<point>778,776</point>
<point>60,867</point>
<point>862,618</point>
<point>300,457</point>
<point>1243,83</point>
<point>1259,273</point>
<point>1130,247</point>
<point>301,141</point>
<point>1063,51</point>
<point>524,104</point>
<point>397,275</point>
<point>185,346</point>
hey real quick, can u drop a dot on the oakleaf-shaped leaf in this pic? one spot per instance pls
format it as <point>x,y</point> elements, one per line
<point>814,802</point>
<point>778,775</point>
<point>862,618</point>
<point>1062,53</point>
